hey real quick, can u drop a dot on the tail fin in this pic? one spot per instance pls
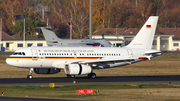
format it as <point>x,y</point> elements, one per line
<point>145,36</point>
<point>49,34</point>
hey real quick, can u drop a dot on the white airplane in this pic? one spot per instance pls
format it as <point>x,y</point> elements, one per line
<point>82,60</point>
<point>52,40</point>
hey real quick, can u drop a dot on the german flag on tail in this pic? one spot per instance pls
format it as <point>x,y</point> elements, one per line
<point>148,26</point>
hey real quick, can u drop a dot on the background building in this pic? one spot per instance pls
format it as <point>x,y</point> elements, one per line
<point>167,39</point>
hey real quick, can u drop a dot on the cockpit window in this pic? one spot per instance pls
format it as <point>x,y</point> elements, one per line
<point>15,53</point>
<point>19,53</point>
<point>23,53</point>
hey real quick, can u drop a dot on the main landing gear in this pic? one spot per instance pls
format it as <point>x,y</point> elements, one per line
<point>70,76</point>
<point>30,73</point>
<point>92,75</point>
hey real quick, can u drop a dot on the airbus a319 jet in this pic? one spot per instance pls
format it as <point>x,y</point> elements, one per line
<point>82,60</point>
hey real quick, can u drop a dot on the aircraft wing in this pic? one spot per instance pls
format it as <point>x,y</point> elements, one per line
<point>104,60</point>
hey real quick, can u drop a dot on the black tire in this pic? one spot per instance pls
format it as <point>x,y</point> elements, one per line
<point>92,75</point>
<point>29,76</point>
<point>73,76</point>
<point>70,76</point>
<point>89,75</point>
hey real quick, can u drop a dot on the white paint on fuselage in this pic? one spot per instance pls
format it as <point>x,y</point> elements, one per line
<point>44,56</point>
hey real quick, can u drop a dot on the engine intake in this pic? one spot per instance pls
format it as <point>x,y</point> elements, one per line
<point>77,69</point>
<point>46,70</point>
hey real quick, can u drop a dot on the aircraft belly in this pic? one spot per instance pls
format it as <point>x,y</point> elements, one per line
<point>36,64</point>
<point>59,64</point>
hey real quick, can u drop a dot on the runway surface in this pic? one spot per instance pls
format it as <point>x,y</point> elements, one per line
<point>2,98</point>
<point>85,80</point>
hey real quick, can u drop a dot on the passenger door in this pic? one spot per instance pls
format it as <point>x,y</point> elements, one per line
<point>34,54</point>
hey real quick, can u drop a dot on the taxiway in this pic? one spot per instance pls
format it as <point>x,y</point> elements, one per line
<point>85,80</point>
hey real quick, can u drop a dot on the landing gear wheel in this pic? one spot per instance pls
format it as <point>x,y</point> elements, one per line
<point>73,76</point>
<point>29,76</point>
<point>92,75</point>
<point>70,76</point>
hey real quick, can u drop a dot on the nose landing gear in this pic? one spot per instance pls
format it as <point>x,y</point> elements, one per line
<point>30,73</point>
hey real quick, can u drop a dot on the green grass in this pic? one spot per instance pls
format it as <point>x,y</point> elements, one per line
<point>168,57</point>
<point>69,91</point>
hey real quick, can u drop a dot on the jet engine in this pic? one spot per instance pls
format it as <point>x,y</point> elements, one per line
<point>77,69</point>
<point>46,70</point>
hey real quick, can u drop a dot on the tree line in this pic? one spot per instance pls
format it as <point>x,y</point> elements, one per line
<point>105,14</point>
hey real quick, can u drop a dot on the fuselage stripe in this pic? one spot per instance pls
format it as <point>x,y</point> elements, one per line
<point>55,57</point>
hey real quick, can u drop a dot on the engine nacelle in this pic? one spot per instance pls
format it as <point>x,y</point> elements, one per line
<point>77,69</point>
<point>46,70</point>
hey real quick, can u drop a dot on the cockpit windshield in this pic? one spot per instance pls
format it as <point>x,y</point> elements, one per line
<point>19,53</point>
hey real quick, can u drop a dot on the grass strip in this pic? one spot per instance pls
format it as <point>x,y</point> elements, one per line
<point>69,91</point>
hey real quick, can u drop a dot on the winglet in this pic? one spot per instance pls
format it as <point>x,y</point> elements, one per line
<point>145,36</point>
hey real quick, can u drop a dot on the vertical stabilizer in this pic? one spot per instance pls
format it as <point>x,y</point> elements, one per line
<point>145,36</point>
<point>49,34</point>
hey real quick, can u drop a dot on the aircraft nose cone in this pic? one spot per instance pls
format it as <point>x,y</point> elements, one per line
<point>9,62</point>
